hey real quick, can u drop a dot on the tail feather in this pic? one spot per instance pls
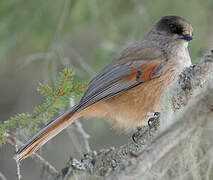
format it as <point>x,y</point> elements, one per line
<point>48,132</point>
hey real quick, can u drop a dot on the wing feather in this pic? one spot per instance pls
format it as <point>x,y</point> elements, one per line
<point>116,78</point>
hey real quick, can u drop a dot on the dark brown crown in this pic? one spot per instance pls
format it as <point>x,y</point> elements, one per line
<point>174,25</point>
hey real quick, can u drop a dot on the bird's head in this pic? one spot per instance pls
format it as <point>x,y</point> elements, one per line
<point>175,27</point>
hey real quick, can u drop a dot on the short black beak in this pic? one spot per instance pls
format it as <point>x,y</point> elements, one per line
<point>186,37</point>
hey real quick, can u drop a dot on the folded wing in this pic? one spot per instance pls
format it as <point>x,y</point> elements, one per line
<point>116,78</point>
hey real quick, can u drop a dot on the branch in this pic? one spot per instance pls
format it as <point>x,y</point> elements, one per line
<point>84,135</point>
<point>18,171</point>
<point>81,131</point>
<point>45,164</point>
<point>62,19</point>
<point>197,114</point>
<point>2,176</point>
<point>187,106</point>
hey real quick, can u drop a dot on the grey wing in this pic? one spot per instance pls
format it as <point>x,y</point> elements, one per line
<point>109,83</point>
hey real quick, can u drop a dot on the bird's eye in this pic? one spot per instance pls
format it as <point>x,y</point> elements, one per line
<point>175,29</point>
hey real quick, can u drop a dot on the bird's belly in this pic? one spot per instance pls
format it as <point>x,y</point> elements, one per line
<point>129,109</point>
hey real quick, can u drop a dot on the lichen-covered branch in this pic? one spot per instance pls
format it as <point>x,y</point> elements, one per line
<point>188,105</point>
<point>197,114</point>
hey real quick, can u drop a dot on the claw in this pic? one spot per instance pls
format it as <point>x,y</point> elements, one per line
<point>156,114</point>
<point>135,135</point>
<point>150,121</point>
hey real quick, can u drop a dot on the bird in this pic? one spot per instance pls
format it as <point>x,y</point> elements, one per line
<point>129,90</point>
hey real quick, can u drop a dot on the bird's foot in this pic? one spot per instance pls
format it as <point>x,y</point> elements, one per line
<point>136,134</point>
<point>153,124</point>
<point>154,121</point>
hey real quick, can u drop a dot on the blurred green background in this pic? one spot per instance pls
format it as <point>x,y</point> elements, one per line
<point>38,38</point>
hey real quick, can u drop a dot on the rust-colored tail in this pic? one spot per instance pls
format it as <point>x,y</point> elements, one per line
<point>48,132</point>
